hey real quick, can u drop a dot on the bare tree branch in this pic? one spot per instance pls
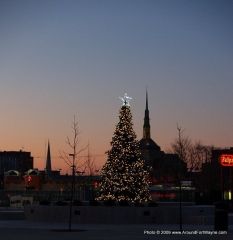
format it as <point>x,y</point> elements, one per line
<point>73,144</point>
<point>193,154</point>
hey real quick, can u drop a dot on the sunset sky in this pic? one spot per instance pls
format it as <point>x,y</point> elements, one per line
<point>60,58</point>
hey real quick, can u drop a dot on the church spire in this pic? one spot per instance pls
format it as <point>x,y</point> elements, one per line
<point>146,126</point>
<point>147,101</point>
<point>48,167</point>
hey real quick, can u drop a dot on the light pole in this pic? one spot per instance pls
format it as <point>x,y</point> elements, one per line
<point>72,189</point>
<point>180,205</point>
<point>180,198</point>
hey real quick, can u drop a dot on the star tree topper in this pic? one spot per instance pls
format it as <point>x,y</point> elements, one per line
<point>125,100</point>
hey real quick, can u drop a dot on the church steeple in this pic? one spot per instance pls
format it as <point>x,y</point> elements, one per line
<point>146,126</point>
<point>48,167</point>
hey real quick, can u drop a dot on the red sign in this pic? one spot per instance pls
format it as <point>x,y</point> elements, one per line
<point>226,160</point>
<point>95,184</point>
<point>159,195</point>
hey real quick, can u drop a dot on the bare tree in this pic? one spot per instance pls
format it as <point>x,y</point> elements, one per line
<point>73,144</point>
<point>182,145</point>
<point>89,165</point>
<point>193,154</point>
<point>71,160</point>
<point>90,170</point>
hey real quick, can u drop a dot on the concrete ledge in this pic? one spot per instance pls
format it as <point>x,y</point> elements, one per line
<point>12,215</point>
<point>120,215</point>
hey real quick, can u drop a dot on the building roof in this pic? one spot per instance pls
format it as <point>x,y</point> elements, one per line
<point>149,144</point>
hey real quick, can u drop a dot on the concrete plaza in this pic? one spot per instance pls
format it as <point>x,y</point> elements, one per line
<point>27,230</point>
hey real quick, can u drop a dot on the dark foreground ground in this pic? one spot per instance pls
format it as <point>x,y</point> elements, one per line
<point>22,229</point>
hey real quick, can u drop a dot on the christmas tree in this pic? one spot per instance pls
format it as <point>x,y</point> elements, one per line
<point>124,176</point>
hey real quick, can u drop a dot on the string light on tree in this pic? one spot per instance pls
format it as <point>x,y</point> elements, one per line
<point>124,176</point>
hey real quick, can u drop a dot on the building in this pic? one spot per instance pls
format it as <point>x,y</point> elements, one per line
<point>46,185</point>
<point>15,160</point>
<point>48,167</point>
<point>215,181</point>
<point>167,169</point>
<point>48,172</point>
<point>40,187</point>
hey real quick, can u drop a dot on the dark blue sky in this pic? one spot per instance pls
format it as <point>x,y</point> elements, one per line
<point>60,58</point>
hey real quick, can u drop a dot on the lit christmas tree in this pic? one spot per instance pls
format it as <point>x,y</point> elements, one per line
<point>124,175</point>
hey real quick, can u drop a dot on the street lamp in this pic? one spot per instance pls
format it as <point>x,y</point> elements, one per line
<point>180,206</point>
<point>72,189</point>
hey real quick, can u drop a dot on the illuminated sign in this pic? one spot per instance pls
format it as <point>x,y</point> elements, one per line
<point>160,195</point>
<point>226,160</point>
